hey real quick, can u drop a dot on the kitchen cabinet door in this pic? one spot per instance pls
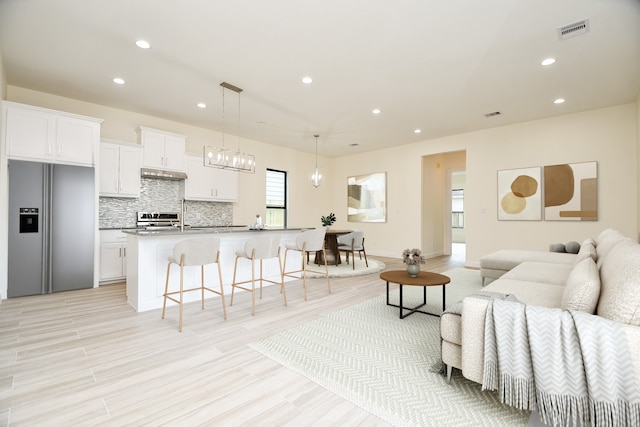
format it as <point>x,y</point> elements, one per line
<point>109,169</point>
<point>129,172</point>
<point>119,170</point>
<point>112,261</point>
<point>162,150</point>
<point>113,255</point>
<point>199,182</point>
<point>30,134</point>
<point>76,140</point>
<point>225,185</point>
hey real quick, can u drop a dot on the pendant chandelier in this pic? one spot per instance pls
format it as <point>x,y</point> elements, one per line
<point>222,157</point>
<point>316,178</point>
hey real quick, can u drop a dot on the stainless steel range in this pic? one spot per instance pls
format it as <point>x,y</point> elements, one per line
<point>158,220</point>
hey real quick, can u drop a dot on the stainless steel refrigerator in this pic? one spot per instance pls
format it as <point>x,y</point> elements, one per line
<point>51,228</point>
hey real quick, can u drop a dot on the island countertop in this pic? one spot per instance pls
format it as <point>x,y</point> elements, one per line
<point>148,252</point>
<point>206,230</point>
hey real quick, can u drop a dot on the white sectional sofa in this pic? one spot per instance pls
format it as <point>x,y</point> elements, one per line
<point>603,279</point>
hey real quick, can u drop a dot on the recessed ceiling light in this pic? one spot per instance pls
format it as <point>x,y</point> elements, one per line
<point>143,44</point>
<point>417,131</point>
<point>548,61</point>
<point>201,105</point>
<point>559,101</point>
<point>118,81</point>
<point>376,111</point>
<point>307,80</point>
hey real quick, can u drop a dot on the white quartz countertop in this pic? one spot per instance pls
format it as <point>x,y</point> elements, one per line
<point>205,230</point>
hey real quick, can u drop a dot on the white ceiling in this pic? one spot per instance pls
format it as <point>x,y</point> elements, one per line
<point>434,65</point>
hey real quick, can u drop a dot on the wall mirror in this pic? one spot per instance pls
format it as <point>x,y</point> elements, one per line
<point>367,198</point>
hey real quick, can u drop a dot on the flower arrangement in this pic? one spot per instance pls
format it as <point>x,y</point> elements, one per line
<point>328,220</point>
<point>413,257</point>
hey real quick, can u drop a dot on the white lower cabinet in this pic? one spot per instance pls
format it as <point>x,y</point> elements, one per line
<point>113,256</point>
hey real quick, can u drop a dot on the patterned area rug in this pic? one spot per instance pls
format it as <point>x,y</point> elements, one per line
<point>347,270</point>
<point>370,357</point>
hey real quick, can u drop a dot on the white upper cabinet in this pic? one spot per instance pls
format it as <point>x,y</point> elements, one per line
<point>34,133</point>
<point>209,184</point>
<point>162,150</point>
<point>119,169</point>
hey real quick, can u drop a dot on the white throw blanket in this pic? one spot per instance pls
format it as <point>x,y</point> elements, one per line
<point>567,365</point>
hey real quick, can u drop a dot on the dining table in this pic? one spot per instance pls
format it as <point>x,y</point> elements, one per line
<point>331,247</point>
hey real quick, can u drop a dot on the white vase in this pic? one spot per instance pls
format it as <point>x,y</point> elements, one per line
<point>413,269</point>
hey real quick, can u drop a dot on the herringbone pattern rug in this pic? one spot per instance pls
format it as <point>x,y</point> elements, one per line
<point>367,355</point>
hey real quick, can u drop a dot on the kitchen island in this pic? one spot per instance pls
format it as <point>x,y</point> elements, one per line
<point>148,252</point>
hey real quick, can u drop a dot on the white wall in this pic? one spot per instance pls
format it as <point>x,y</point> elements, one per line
<point>608,136</point>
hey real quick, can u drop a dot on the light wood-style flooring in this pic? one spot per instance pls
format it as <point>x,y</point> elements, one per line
<point>87,358</point>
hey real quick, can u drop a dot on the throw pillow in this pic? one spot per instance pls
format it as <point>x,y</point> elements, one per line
<point>620,281</point>
<point>606,243</point>
<point>556,247</point>
<point>586,250</point>
<point>582,289</point>
<point>572,247</point>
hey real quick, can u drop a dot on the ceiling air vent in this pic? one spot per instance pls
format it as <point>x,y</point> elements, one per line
<point>493,114</point>
<point>572,30</point>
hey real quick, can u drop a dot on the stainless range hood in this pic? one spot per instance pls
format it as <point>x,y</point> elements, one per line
<point>162,174</point>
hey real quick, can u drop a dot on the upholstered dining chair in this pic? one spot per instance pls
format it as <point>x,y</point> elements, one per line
<point>193,252</point>
<point>350,244</point>
<point>258,248</point>
<point>308,241</point>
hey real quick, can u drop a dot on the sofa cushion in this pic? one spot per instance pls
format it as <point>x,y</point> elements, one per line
<point>587,249</point>
<point>582,289</point>
<point>506,259</point>
<point>605,241</point>
<point>450,327</point>
<point>543,272</point>
<point>620,283</point>
<point>529,292</point>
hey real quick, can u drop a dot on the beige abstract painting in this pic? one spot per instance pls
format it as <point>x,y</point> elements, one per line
<point>519,194</point>
<point>571,192</point>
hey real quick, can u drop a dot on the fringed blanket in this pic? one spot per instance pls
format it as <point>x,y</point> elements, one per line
<point>567,365</point>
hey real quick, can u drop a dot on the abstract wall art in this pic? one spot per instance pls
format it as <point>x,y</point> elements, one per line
<point>519,194</point>
<point>571,192</point>
<point>367,198</point>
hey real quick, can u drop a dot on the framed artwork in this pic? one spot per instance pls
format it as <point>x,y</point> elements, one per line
<point>571,192</point>
<point>519,194</point>
<point>367,198</point>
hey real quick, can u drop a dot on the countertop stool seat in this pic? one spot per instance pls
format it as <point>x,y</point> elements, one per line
<point>262,248</point>
<point>307,242</point>
<point>194,252</point>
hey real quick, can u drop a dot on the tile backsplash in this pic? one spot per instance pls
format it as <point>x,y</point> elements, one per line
<point>158,195</point>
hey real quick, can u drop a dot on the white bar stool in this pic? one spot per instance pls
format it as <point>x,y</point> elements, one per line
<point>307,242</point>
<point>264,247</point>
<point>194,252</point>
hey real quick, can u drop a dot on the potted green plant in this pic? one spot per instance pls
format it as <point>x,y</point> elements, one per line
<point>328,220</point>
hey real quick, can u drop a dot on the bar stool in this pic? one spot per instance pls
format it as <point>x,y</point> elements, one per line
<point>194,252</point>
<point>307,242</point>
<point>261,248</point>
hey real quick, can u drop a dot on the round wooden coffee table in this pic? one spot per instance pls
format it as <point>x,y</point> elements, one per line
<point>424,279</point>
